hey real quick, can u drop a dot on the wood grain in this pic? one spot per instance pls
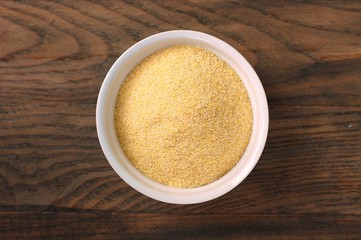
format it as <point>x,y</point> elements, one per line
<point>107,225</point>
<point>53,175</point>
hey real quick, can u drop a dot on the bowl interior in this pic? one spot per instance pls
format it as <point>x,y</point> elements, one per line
<point>106,127</point>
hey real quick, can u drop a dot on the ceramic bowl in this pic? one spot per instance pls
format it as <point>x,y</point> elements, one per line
<point>110,143</point>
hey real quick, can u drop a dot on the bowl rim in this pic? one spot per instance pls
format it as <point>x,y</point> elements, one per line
<point>122,165</point>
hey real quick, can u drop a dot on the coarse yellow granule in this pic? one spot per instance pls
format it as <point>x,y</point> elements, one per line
<point>183,116</point>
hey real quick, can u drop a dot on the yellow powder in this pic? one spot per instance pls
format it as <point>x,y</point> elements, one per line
<point>183,116</point>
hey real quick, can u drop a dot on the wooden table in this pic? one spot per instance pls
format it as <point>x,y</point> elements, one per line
<point>55,182</point>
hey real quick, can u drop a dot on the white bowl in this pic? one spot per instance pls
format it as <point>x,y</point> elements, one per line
<point>109,141</point>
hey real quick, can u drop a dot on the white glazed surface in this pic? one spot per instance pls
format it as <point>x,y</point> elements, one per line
<point>107,133</point>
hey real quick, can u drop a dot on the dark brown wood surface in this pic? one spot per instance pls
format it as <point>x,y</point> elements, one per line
<point>55,182</point>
